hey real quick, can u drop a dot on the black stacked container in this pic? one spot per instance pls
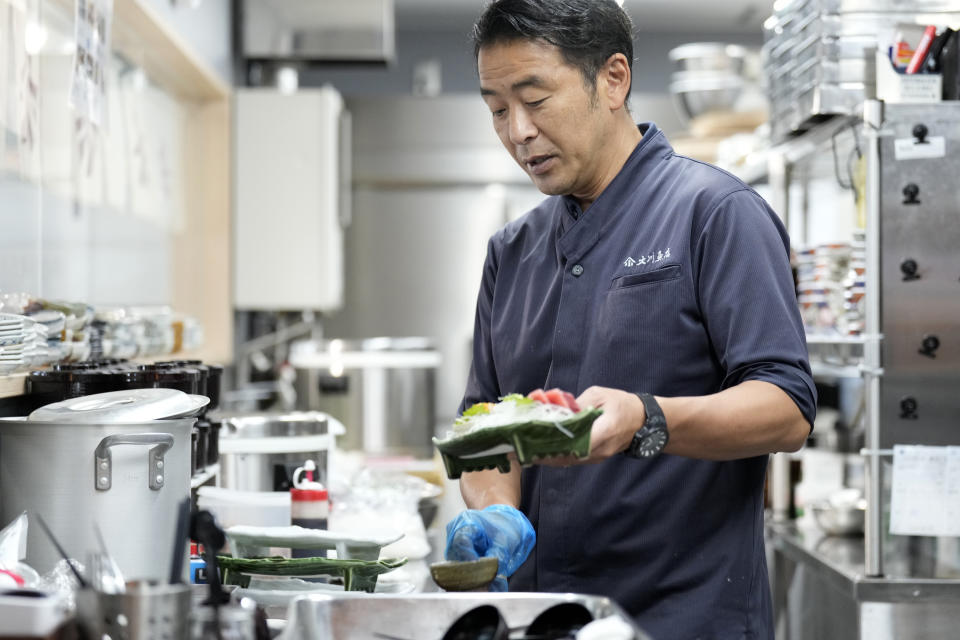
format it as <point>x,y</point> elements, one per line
<point>71,380</point>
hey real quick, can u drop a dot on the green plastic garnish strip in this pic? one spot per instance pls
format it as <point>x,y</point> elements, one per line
<point>358,575</point>
<point>530,440</point>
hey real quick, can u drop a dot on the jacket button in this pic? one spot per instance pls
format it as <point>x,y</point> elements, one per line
<point>577,269</point>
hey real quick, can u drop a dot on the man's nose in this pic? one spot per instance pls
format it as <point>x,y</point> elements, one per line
<point>522,128</point>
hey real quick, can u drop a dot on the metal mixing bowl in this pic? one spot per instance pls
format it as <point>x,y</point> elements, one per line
<point>834,520</point>
<point>697,93</point>
<point>709,56</point>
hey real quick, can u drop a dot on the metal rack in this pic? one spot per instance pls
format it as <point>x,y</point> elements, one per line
<point>203,477</point>
<point>909,360</point>
<point>818,57</point>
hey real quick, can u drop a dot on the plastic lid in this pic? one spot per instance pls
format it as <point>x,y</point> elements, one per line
<point>310,495</point>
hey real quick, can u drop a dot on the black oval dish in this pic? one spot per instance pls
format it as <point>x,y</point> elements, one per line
<point>480,623</point>
<point>559,621</point>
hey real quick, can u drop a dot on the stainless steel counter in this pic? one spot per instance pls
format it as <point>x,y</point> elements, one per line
<point>821,591</point>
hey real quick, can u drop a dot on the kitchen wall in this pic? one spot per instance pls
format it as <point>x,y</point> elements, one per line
<point>205,28</point>
<point>89,212</point>
<point>651,68</point>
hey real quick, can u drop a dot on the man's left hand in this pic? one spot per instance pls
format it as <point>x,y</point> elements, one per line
<point>623,415</point>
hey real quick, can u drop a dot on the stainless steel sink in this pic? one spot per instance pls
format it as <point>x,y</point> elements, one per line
<point>424,616</point>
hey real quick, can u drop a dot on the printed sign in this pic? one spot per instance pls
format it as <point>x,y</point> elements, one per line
<point>23,86</point>
<point>925,493</point>
<point>6,41</point>
<point>91,55</point>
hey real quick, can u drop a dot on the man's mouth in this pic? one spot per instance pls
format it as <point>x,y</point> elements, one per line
<point>539,164</point>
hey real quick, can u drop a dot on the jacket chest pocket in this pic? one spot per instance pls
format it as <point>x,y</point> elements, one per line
<point>638,322</point>
<point>669,272</point>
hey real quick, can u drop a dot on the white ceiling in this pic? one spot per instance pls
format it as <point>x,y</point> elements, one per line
<point>675,16</point>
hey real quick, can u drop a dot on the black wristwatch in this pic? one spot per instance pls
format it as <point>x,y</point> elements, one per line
<point>652,437</point>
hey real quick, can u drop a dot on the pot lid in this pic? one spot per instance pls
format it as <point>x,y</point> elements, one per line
<point>132,405</point>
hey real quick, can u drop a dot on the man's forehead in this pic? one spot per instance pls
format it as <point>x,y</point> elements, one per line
<point>517,47</point>
<point>525,82</point>
<point>522,63</point>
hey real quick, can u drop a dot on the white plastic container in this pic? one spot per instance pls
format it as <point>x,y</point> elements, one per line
<point>253,508</point>
<point>29,613</point>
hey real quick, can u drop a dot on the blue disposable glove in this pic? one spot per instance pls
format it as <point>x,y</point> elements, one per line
<point>499,531</point>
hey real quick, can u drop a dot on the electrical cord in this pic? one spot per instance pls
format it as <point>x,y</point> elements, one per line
<point>855,154</point>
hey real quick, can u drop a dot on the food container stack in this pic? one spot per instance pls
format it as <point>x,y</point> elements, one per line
<point>854,288</point>
<point>35,332</point>
<point>818,55</point>
<point>830,288</point>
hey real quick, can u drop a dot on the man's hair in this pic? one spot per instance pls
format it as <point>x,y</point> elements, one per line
<point>587,32</point>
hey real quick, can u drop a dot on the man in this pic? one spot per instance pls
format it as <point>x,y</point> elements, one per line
<point>659,289</point>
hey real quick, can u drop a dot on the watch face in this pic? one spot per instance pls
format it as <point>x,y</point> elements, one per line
<point>652,443</point>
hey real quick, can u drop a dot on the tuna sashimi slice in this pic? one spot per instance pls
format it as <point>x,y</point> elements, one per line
<point>538,395</point>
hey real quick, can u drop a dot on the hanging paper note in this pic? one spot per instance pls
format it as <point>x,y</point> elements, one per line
<point>6,41</point>
<point>91,55</point>
<point>25,44</point>
<point>925,493</point>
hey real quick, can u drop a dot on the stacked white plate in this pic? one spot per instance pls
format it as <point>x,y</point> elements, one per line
<point>11,329</point>
<point>22,343</point>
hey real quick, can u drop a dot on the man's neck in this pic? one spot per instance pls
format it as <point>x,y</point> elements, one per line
<point>617,157</point>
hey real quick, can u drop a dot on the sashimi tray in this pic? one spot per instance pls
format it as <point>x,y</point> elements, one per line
<point>489,447</point>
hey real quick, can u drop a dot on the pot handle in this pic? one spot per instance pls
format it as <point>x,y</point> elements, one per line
<point>103,461</point>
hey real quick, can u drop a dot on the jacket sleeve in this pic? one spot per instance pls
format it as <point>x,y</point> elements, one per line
<point>748,300</point>
<point>482,382</point>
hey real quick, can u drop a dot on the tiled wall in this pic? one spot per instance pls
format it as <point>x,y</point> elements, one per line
<point>85,213</point>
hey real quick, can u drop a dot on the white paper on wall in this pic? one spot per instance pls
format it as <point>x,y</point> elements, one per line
<point>139,167</point>
<point>87,163</point>
<point>925,493</point>
<point>168,120</point>
<point>91,57</point>
<point>57,125</point>
<point>25,67</point>
<point>115,166</point>
<point>5,42</point>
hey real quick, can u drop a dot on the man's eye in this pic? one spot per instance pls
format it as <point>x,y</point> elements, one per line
<point>499,113</point>
<point>536,103</point>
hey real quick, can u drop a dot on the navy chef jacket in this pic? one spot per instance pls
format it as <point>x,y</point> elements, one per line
<point>676,281</point>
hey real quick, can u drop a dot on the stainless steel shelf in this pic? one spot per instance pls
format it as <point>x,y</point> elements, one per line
<point>205,476</point>
<point>836,356</point>
<point>840,562</point>
<point>811,141</point>
<point>830,370</point>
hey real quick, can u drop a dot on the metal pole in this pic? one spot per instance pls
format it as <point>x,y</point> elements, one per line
<point>778,172</point>
<point>873,529</point>
<point>271,340</point>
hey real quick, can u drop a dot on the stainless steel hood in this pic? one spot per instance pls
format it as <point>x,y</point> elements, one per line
<point>319,30</point>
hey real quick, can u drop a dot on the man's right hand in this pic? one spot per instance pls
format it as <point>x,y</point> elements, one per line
<point>498,531</point>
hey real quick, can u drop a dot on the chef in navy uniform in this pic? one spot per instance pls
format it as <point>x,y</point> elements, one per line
<point>656,287</point>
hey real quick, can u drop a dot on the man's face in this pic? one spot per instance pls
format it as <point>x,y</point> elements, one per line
<point>545,115</point>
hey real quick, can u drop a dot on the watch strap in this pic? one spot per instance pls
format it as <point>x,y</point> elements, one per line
<point>652,437</point>
<point>651,408</point>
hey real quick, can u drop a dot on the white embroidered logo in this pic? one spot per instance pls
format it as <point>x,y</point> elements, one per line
<point>647,259</point>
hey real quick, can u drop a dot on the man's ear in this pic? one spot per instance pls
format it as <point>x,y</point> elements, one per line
<point>613,81</point>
